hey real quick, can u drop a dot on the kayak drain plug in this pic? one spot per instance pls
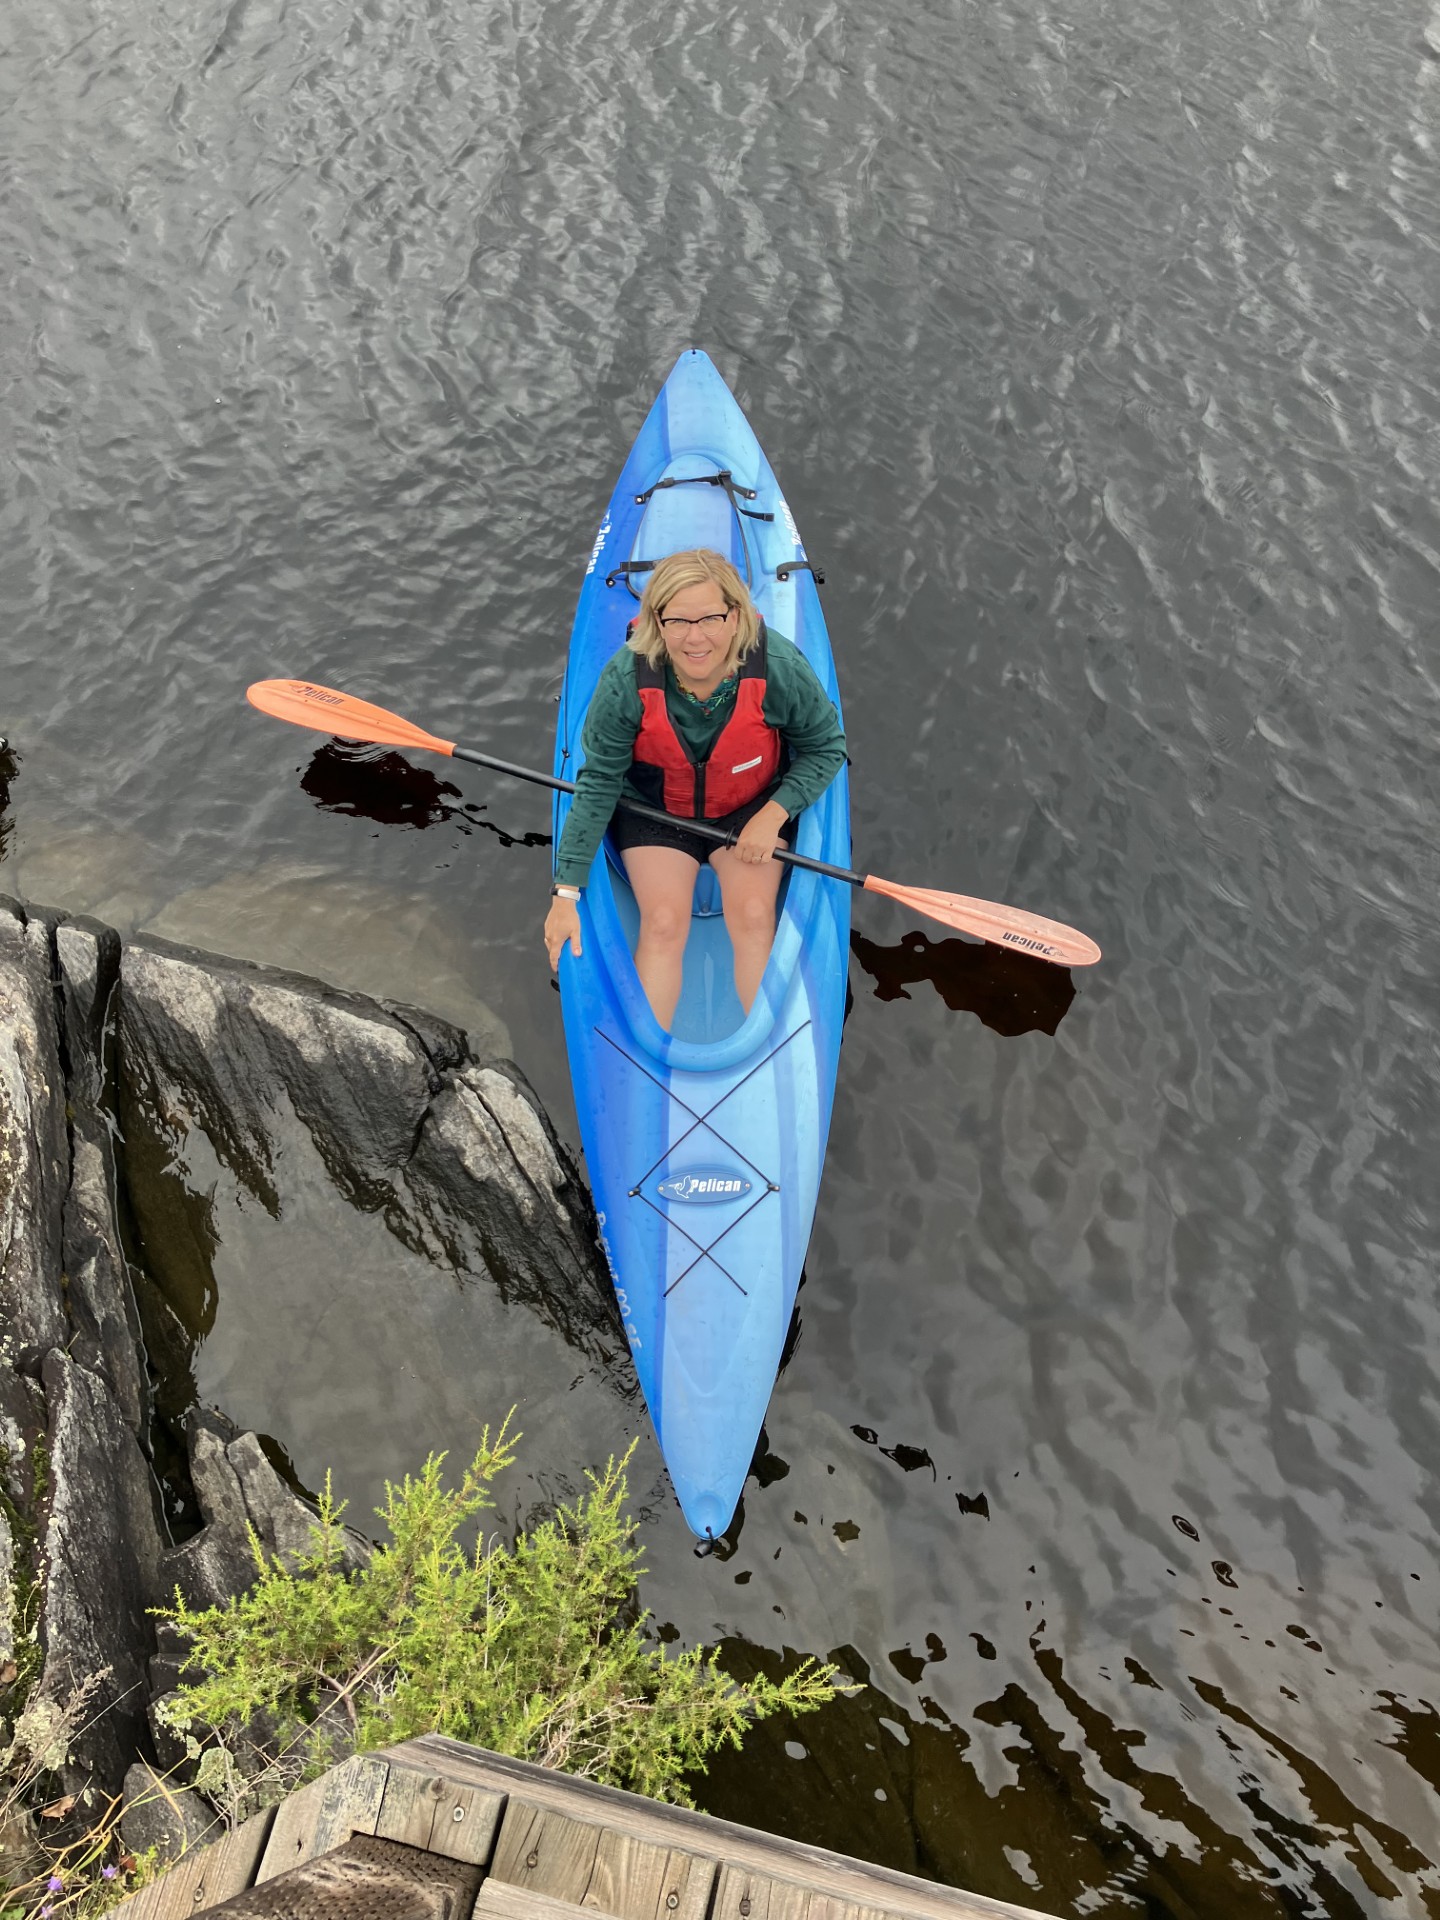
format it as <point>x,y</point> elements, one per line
<point>704,1548</point>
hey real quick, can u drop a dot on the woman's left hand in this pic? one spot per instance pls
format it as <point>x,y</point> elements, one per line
<point>760,835</point>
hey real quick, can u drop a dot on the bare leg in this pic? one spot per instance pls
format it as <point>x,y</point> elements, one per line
<point>748,894</point>
<point>663,881</point>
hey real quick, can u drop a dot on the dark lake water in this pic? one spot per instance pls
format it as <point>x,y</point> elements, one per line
<point>1095,347</point>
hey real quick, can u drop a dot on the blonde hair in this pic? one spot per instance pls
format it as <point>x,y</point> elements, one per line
<point>671,576</point>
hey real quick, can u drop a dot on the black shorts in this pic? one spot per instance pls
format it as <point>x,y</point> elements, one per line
<point>632,830</point>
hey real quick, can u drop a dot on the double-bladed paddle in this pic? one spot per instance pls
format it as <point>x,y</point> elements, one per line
<point>341,714</point>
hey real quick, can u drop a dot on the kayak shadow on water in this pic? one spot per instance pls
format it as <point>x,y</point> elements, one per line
<point>1010,992</point>
<point>370,783</point>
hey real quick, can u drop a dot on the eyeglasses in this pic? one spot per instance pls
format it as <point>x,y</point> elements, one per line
<point>676,626</point>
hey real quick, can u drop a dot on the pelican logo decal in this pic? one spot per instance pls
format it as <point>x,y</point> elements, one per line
<point>1028,943</point>
<point>704,1186</point>
<point>601,537</point>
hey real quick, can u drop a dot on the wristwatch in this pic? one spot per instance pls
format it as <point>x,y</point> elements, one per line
<point>564,893</point>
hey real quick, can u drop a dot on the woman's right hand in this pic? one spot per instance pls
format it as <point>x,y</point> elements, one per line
<point>562,923</point>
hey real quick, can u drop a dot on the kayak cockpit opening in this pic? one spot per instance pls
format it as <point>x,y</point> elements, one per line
<point>709,1008</point>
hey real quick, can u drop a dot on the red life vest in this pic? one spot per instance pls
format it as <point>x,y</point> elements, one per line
<point>745,757</point>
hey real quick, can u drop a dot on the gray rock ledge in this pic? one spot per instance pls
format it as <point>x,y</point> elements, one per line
<point>453,1153</point>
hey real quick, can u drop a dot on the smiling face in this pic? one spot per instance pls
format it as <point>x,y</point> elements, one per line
<point>700,654</point>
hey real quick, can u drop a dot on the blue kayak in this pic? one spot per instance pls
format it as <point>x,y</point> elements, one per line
<point>704,1145</point>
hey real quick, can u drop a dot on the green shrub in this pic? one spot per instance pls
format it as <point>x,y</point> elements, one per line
<point>538,1651</point>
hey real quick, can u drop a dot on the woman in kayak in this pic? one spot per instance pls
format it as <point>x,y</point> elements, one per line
<point>699,672</point>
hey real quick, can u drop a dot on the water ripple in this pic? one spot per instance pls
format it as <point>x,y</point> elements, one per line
<point>1095,352</point>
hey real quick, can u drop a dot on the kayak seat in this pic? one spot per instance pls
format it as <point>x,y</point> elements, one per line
<point>706,904</point>
<point>707,895</point>
<point>709,1009</point>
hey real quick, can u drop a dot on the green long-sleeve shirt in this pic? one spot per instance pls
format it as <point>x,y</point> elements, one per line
<point>796,705</point>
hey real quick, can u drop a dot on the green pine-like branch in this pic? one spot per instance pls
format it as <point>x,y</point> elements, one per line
<point>537,1650</point>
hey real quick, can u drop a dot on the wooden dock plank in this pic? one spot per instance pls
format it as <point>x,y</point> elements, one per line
<point>323,1815</point>
<point>743,1894</point>
<point>635,1879</point>
<point>500,1901</point>
<point>544,1851</point>
<point>206,1877</point>
<point>421,1808</point>
<point>815,1870</point>
<point>824,1906</point>
<point>296,1820</point>
<point>350,1805</point>
<point>601,1868</point>
<point>466,1823</point>
<point>407,1811</point>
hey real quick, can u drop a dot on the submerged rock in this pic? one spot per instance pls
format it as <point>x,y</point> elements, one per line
<point>456,1156</point>
<point>224,1038</point>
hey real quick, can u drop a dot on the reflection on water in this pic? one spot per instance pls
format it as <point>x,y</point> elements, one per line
<point>376,783</point>
<point>1010,992</point>
<point>911,1460</point>
<point>1086,1812</point>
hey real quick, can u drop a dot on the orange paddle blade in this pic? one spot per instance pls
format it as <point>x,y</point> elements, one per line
<point>1006,926</point>
<point>304,704</point>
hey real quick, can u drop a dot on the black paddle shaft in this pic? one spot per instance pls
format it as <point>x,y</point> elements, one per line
<point>723,836</point>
